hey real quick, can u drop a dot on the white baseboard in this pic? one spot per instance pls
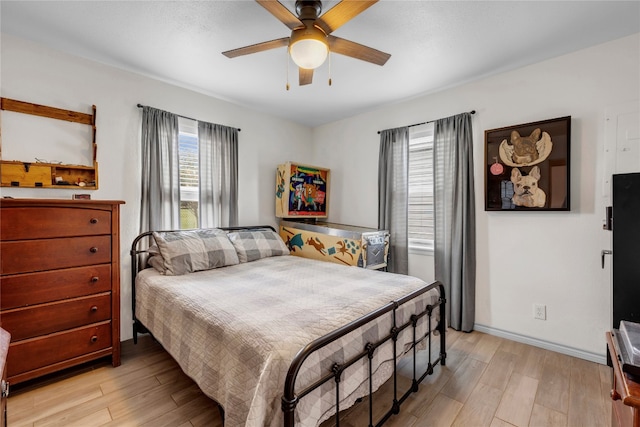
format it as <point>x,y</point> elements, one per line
<point>570,351</point>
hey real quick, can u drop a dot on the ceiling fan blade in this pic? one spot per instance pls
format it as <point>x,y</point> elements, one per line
<point>258,47</point>
<point>341,13</point>
<point>281,13</point>
<point>305,76</point>
<point>356,50</point>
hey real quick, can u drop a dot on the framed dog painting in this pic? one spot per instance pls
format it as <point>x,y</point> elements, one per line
<point>527,166</point>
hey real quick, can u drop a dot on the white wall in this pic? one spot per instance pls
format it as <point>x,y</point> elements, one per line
<point>33,73</point>
<point>550,258</point>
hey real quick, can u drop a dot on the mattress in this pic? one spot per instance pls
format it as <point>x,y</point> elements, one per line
<point>236,329</point>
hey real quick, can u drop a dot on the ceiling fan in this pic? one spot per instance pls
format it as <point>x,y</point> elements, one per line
<point>311,39</point>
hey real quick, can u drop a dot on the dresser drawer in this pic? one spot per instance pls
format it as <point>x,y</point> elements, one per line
<point>46,222</point>
<point>26,256</point>
<point>23,323</point>
<point>621,414</point>
<point>36,353</point>
<point>26,289</point>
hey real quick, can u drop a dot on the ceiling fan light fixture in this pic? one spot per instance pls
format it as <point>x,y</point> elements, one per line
<point>308,47</point>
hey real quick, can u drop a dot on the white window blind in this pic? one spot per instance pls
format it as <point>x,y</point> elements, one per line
<point>188,157</point>
<point>421,215</point>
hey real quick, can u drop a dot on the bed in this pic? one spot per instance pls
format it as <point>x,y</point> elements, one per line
<point>277,339</point>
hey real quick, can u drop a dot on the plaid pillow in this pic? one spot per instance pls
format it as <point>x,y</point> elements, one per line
<point>156,262</point>
<point>253,245</point>
<point>194,250</point>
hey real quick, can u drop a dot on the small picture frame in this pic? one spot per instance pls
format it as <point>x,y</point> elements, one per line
<point>82,197</point>
<point>527,166</point>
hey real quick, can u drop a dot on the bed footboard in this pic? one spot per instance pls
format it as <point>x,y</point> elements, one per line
<point>291,396</point>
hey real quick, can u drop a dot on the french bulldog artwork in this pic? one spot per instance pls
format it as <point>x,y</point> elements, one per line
<point>524,147</point>
<point>520,151</point>
<point>526,190</point>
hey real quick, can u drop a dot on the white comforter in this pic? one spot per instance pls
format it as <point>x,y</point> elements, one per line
<point>236,329</point>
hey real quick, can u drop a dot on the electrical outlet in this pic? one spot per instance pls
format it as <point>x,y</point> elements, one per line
<point>540,311</point>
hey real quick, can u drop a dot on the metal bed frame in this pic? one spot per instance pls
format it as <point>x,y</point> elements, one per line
<point>291,396</point>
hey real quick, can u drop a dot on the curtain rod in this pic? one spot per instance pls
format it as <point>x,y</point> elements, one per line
<point>424,123</point>
<point>184,117</point>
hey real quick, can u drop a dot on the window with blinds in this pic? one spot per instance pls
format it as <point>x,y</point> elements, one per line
<point>421,215</point>
<point>188,158</point>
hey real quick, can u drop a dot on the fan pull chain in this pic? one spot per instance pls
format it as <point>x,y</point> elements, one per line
<point>329,68</point>
<point>288,68</point>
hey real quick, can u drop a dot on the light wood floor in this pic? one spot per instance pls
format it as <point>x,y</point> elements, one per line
<point>488,381</point>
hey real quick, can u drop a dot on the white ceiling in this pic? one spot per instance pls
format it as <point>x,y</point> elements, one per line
<point>433,45</point>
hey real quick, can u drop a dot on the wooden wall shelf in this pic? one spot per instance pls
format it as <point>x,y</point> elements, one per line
<point>16,173</point>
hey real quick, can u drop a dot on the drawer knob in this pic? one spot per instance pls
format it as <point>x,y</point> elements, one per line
<point>93,250</point>
<point>615,395</point>
<point>93,220</point>
<point>94,308</point>
<point>94,338</point>
<point>95,279</point>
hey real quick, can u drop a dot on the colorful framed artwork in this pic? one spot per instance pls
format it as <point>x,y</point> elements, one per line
<point>301,191</point>
<point>527,167</point>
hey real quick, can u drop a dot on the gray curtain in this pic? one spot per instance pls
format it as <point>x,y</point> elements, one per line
<point>393,188</point>
<point>455,230</point>
<point>160,199</point>
<point>218,175</point>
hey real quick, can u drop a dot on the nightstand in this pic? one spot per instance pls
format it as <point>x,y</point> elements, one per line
<point>625,393</point>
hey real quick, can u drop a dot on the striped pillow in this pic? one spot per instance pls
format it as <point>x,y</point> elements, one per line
<point>253,245</point>
<point>194,250</point>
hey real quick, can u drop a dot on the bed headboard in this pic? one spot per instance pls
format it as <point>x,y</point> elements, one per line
<point>139,253</point>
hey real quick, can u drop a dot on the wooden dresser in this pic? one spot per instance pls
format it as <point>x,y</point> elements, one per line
<point>60,283</point>
<point>625,393</point>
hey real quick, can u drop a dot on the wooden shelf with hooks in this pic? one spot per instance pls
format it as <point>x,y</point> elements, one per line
<point>16,173</point>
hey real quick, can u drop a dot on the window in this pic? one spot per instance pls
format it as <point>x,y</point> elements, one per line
<point>188,159</point>
<point>421,212</point>
<point>189,172</point>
